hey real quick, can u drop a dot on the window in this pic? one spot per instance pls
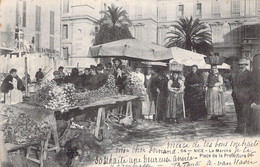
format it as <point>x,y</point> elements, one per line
<point>38,19</point>
<point>66,53</point>
<point>138,33</point>
<point>181,11</point>
<point>236,7</point>
<point>250,32</point>
<point>198,9</point>
<point>139,11</point>
<point>236,36</point>
<point>163,12</point>
<point>24,13</point>
<point>37,42</point>
<point>65,6</point>
<point>51,43</point>
<point>216,8</point>
<point>258,7</point>
<point>17,14</point>
<point>51,22</point>
<point>65,32</point>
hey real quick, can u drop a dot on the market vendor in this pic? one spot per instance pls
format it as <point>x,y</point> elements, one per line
<point>85,76</point>
<point>160,92</point>
<point>120,79</point>
<point>194,96</point>
<point>12,87</point>
<point>93,81</point>
<point>102,78</point>
<point>108,68</point>
<point>175,101</point>
<point>148,106</point>
<point>116,63</point>
<point>214,95</point>
<point>140,75</point>
<point>62,74</point>
<point>74,78</point>
<point>57,78</point>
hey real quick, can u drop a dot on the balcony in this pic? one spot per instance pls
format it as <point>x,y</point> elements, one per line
<point>251,41</point>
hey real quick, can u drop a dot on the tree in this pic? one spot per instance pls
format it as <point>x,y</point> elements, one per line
<point>191,35</point>
<point>113,26</point>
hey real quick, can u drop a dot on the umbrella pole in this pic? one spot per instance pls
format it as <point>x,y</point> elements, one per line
<point>183,106</point>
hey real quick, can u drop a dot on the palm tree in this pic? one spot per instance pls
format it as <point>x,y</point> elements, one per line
<point>191,35</point>
<point>113,26</point>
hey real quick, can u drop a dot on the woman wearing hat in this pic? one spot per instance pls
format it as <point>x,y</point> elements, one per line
<point>214,95</point>
<point>175,99</point>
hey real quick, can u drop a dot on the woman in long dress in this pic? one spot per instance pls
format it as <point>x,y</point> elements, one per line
<point>194,96</point>
<point>12,87</point>
<point>175,99</point>
<point>214,96</point>
<point>148,105</point>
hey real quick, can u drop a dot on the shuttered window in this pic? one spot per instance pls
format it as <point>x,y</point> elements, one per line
<point>38,19</point>
<point>51,43</point>
<point>52,22</point>
<point>24,13</point>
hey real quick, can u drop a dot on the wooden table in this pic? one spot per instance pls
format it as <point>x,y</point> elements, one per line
<point>38,114</point>
<point>116,103</point>
<point>42,114</point>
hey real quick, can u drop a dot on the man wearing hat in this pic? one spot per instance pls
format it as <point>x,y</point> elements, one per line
<point>242,97</point>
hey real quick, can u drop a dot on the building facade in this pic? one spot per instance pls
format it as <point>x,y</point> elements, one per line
<point>234,23</point>
<point>37,22</point>
<point>78,23</point>
<point>31,27</point>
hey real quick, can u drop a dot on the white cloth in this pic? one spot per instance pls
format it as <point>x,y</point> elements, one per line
<point>141,77</point>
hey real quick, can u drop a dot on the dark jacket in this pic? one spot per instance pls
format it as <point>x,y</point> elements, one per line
<point>242,84</point>
<point>39,75</point>
<point>74,79</point>
<point>6,85</point>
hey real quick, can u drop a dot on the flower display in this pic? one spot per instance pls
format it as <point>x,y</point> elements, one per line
<point>61,97</point>
<point>134,85</point>
<point>20,128</point>
<point>108,90</point>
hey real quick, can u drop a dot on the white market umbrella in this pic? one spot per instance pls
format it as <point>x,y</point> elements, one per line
<point>186,57</point>
<point>131,49</point>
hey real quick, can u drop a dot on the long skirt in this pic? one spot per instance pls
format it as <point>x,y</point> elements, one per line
<point>215,101</point>
<point>148,107</point>
<point>13,97</point>
<point>175,106</point>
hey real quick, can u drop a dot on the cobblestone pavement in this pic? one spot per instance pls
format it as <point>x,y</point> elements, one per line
<point>150,133</point>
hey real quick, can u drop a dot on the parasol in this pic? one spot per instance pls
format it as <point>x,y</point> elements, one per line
<point>187,57</point>
<point>131,49</point>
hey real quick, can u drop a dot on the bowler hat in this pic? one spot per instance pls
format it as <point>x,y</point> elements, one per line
<point>243,61</point>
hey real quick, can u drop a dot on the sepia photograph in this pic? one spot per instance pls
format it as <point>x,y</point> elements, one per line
<point>130,83</point>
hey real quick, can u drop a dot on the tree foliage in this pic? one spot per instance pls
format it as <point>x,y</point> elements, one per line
<point>114,25</point>
<point>191,35</point>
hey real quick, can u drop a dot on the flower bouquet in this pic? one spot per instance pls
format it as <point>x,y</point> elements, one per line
<point>134,85</point>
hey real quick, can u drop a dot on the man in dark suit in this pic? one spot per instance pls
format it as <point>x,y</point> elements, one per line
<point>242,95</point>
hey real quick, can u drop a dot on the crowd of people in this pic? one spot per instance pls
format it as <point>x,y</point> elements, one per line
<point>169,97</point>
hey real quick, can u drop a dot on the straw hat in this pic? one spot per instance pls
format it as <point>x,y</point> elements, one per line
<point>243,61</point>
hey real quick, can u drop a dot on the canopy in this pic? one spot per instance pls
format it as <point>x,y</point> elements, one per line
<point>131,48</point>
<point>187,57</point>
